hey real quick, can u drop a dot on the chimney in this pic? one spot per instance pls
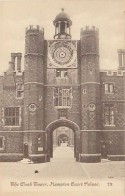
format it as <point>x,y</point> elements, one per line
<point>121,57</point>
<point>19,56</point>
<point>13,56</point>
<point>11,68</point>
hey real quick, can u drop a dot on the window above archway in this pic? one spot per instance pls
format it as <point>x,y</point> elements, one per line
<point>62,97</point>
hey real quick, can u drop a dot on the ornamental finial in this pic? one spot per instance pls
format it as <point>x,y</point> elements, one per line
<point>62,9</point>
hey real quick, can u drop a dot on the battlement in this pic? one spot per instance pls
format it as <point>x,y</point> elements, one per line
<point>16,54</point>
<point>88,29</point>
<point>113,72</point>
<point>35,28</point>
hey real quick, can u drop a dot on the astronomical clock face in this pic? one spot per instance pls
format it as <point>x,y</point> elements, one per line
<point>62,54</point>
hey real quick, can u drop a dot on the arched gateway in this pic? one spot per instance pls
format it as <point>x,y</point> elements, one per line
<point>61,123</point>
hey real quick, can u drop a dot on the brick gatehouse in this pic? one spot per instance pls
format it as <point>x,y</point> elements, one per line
<point>62,86</point>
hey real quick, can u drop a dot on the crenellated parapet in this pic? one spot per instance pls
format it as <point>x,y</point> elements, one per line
<point>113,72</point>
<point>34,28</point>
<point>89,29</point>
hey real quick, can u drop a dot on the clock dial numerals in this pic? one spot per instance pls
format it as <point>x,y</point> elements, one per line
<point>62,54</point>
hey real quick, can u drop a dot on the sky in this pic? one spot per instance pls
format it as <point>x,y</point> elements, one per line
<point>107,15</point>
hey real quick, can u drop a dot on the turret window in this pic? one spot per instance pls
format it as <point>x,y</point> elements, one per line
<point>84,91</point>
<point>62,97</point>
<point>61,73</point>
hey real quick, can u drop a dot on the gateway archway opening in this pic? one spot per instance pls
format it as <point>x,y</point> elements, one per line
<point>63,143</point>
<point>63,135</point>
<point>58,124</point>
<point>63,138</point>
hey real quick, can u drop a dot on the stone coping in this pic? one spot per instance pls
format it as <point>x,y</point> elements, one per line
<point>102,130</point>
<point>12,154</point>
<point>116,155</point>
<point>90,155</point>
<point>28,131</point>
<point>36,155</point>
<point>42,131</point>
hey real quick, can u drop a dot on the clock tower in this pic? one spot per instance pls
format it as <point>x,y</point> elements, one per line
<point>62,51</point>
<point>61,89</point>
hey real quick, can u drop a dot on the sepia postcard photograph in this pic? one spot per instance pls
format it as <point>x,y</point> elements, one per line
<point>62,97</point>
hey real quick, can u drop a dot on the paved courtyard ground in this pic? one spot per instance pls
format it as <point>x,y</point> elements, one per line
<point>63,173</point>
